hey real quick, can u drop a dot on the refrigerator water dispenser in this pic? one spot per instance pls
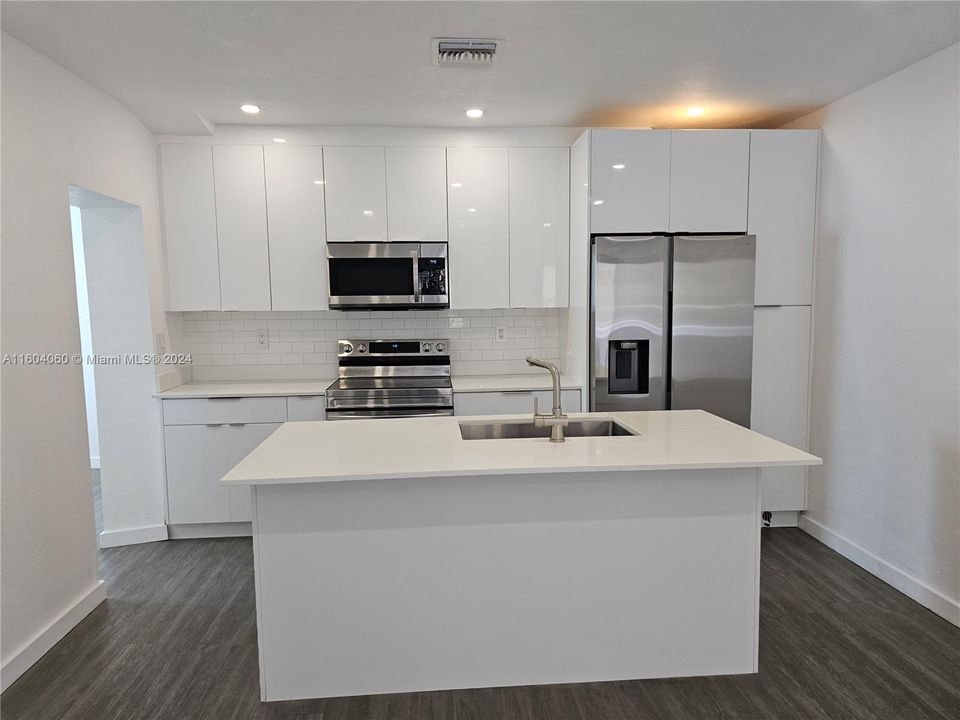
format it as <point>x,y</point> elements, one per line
<point>629,364</point>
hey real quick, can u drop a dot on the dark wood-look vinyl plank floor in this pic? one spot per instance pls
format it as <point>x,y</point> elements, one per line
<point>177,640</point>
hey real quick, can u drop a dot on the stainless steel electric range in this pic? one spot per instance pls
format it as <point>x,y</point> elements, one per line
<point>391,378</point>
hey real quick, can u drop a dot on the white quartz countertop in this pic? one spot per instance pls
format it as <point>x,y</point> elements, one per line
<point>510,383</point>
<point>252,388</point>
<point>310,452</point>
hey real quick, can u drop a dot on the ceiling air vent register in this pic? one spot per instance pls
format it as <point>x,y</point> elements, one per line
<point>465,52</point>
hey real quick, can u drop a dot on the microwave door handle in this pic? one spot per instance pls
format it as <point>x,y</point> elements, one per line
<point>415,256</point>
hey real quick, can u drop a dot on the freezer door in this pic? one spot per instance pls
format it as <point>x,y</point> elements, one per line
<point>712,346</point>
<point>628,315</point>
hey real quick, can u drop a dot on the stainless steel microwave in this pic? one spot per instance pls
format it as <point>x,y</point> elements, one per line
<point>387,275</point>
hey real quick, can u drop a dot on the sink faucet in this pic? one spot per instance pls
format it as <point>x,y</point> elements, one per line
<point>557,420</point>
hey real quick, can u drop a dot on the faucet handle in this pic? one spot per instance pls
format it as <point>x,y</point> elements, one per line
<point>536,406</point>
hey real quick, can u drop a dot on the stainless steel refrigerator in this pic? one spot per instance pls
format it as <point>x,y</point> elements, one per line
<point>672,323</point>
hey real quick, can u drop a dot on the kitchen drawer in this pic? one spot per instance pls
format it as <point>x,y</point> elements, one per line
<point>306,407</point>
<point>512,402</point>
<point>208,411</point>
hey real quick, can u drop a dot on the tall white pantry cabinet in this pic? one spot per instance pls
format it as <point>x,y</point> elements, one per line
<point>763,182</point>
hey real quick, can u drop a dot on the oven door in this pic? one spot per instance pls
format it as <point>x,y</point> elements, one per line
<point>388,413</point>
<point>365,275</point>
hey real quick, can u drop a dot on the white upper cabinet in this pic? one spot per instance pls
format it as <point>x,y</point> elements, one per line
<point>356,194</point>
<point>478,228</point>
<point>242,227</point>
<point>417,194</point>
<point>708,180</point>
<point>629,181</point>
<point>779,397</point>
<point>297,228</point>
<point>539,227</point>
<point>782,214</point>
<point>190,227</point>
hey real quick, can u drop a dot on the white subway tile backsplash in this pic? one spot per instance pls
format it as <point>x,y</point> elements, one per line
<point>303,344</point>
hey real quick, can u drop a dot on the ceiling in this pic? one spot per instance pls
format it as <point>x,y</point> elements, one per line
<point>185,66</point>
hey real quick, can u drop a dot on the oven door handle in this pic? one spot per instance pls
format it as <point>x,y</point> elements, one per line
<point>415,256</point>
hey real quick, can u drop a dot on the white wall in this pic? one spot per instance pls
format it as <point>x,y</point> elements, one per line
<point>86,342</point>
<point>56,130</point>
<point>885,394</point>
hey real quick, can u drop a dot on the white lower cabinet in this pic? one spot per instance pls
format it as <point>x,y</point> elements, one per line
<point>781,367</point>
<point>306,407</point>
<point>197,456</point>
<point>512,402</point>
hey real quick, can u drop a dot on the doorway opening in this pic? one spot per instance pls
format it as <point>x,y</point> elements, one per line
<point>119,377</point>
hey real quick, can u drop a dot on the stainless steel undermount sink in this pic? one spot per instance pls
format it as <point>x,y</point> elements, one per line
<point>509,429</point>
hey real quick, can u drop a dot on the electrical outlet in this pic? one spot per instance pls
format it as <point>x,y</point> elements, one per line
<point>161,343</point>
<point>263,339</point>
<point>501,334</point>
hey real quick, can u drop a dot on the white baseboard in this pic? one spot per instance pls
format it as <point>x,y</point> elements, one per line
<point>21,660</point>
<point>133,536</point>
<point>194,531</point>
<point>900,579</point>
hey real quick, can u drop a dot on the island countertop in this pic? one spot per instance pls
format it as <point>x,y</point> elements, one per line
<point>326,451</point>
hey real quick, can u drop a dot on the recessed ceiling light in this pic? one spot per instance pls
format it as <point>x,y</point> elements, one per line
<point>280,140</point>
<point>471,209</point>
<point>250,109</point>
<point>694,111</point>
<point>598,202</point>
<point>368,213</point>
<point>474,113</point>
<point>319,182</point>
<point>455,185</point>
<point>618,166</point>
<point>547,224</point>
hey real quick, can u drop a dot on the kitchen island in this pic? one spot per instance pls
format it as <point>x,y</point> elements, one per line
<point>397,555</point>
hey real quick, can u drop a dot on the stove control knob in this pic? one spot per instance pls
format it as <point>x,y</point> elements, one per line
<point>361,348</point>
<point>426,347</point>
<point>347,348</point>
<point>440,347</point>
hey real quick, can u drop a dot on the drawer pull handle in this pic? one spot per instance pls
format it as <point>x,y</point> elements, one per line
<point>238,424</point>
<point>226,398</point>
<point>516,392</point>
<point>214,424</point>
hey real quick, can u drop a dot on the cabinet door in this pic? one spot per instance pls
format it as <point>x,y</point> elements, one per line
<point>306,407</point>
<point>539,194</point>
<point>782,213</point>
<point>479,228</point>
<point>417,194</point>
<point>356,190</point>
<point>190,227</point>
<point>708,180</point>
<point>297,227</point>
<point>629,181</point>
<point>242,228</point>
<point>781,366</point>
<point>197,456</point>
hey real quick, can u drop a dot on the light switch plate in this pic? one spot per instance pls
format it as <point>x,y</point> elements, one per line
<point>501,334</point>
